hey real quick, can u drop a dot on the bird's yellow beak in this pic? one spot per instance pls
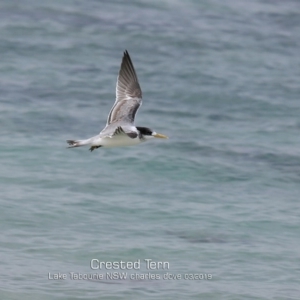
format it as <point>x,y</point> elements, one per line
<point>160,136</point>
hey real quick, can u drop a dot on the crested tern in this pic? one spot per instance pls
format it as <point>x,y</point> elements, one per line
<point>120,129</point>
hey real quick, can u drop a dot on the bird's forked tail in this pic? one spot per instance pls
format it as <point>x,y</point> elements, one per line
<point>78,143</point>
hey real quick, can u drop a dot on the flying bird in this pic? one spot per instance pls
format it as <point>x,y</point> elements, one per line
<point>120,129</point>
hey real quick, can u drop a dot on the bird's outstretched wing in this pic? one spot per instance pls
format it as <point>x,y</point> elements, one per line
<point>128,94</point>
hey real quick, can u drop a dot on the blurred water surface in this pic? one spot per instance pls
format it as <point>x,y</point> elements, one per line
<point>220,197</point>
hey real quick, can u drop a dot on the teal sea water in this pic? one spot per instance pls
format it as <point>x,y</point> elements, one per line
<point>220,198</point>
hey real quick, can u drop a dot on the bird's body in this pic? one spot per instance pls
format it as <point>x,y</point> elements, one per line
<point>120,129</point>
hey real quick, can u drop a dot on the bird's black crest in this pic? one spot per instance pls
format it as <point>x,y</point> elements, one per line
<point>145,130</point>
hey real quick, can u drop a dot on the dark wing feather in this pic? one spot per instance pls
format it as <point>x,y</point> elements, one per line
<point>128,93</point>
<point>119,130</point>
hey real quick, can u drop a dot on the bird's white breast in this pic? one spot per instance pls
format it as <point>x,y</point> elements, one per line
<point>116,141</point>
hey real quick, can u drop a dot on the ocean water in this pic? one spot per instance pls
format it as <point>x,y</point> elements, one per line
<point>215,208</point>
